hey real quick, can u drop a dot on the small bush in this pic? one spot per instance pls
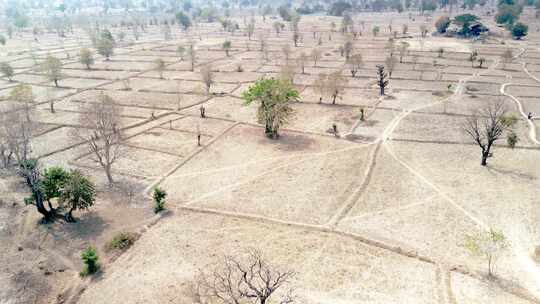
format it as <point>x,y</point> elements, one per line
<point>159,199</point>
<point>121,241</point>
<point>90,260</point>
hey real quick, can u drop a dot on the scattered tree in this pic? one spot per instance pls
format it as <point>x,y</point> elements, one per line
<point>519,30</point>
<point>160,66</point>
<point>76,193</point>
<point>487,244</point>
<point>86,57</point>
<point>390,63</point>
<point>104,136</point>
<point>207,77</point>
<point>486,126</point>
<point>52,68</point>
<point>105,47</point>
<point>275,97</point>
<point>336,84</point>
<point>381,79</point>
<point>354,63</point>
<point>227,47</point>
<point>252,280</point>
<point>316,54</point>
<point>7,70</point>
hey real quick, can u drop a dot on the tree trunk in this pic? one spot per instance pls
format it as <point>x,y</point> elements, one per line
<point>56,82</point>
<point>485,156</point>
<point>109,175</point>
<point>334,98</point>
<point>382,91</point>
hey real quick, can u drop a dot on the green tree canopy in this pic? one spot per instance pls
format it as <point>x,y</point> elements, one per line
<point>275,97</point>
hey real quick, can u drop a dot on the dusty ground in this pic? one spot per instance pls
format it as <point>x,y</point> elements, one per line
<point>376,215</point>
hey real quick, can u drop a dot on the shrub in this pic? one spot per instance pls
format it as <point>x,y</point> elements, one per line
<point>2,40</point>
<point>90,260</point>
<point>159,199</point>
<point>121,241</point>
<point>519,30</point>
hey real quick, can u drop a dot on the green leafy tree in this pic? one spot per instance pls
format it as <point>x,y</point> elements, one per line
<point>90,259</point>
<point>507,14</point>
<point>52,182</point>
<point>86,57</point>
<point>6,70</point>
<point>52,68</point>
<point>183,20</point>
<point>465,21</point>
<point>488,245</point>
<point>105,48</point>
<point>77,193</point>
<point>159,199</point>
<point>519,30</point>
<point>227,47</point>
<point>275,97</point>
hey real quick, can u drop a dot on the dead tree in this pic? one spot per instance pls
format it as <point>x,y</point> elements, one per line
<point>381,79</point>
<point>236,281</point>
<point>104,138</point>
<point>486,126</point>
<point>207,77</point>
<point>16,128</point>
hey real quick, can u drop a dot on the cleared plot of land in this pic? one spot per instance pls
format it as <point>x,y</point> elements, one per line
<point>166,261</point>
<point>245,173</point>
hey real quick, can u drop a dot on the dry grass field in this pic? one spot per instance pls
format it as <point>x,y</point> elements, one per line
<point>377,214</point>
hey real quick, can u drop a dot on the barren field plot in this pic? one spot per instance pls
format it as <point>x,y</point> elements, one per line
<point>53,141</point>
<point>174,142</point>
<point>352,271</point>
<point>506,207</point>
<point>94,73</point>
<point>326,115</point>
<point>135,162</point>
<point>81,83</point>
<point>229,108</point>
<point>258,177</point>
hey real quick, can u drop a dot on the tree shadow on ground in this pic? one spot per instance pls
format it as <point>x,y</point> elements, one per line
<point>290,142</point>
<point>89,226</point>
<point>511,173</point>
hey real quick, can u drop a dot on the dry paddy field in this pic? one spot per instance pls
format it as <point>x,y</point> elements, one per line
<point>377,214</point>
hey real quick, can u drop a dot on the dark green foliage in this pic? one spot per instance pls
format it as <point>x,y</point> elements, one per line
<point>507,14</point>
<point>519,30</point>
<point>466,21</point>
<point>285,13</point>
<point>338,8</point>
<point>2,39</point>
<point>77,193</point>
<point>159,199</point>
<point>121,241</point>
<point>90,259</point>
<point>428,5</point>
<point>512,139</point>
<point>183,20</point>
<point>53,181</point>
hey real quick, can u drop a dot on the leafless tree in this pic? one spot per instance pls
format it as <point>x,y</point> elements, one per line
<point>192,53</point>
<point>316,54</point>
<point>487,125</point>
<point>336,84</point>
<point>103,132</point>
<point>301,61</point>
<point>235,281</point>
<point>286,49</point>
<point>207,77</point>
<point>320,85</point>
<point>390,64</point>
<point>16,128</point>
<point>354,63</point>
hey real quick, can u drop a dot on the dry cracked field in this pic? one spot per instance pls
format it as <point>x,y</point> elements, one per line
<point>378,214</point>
